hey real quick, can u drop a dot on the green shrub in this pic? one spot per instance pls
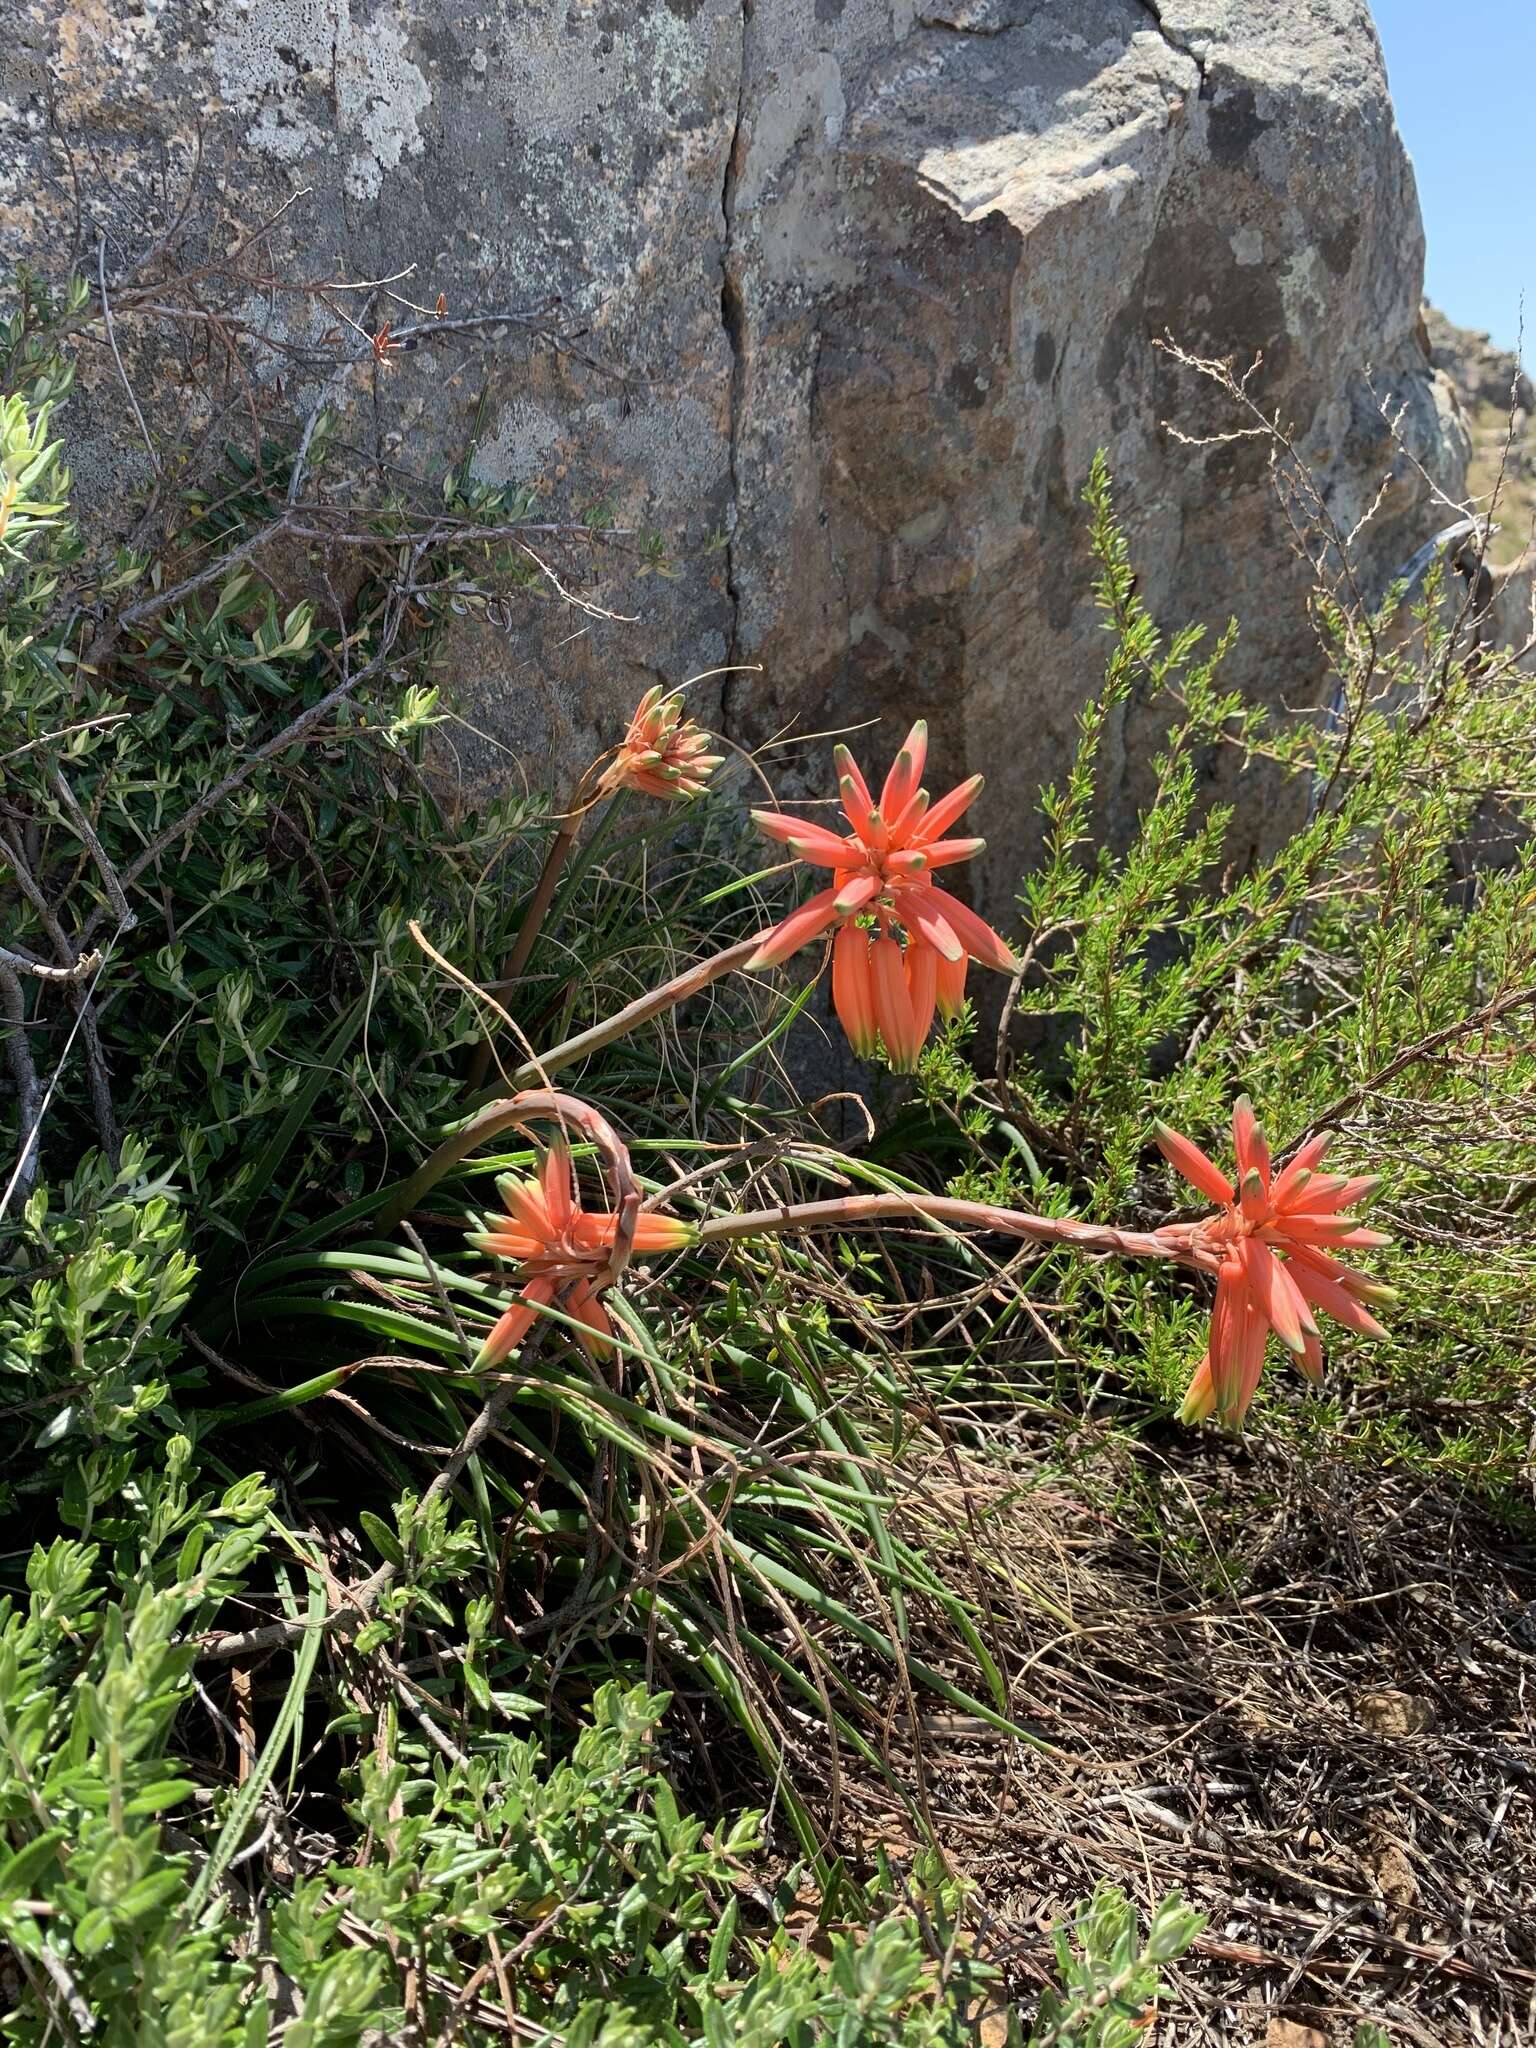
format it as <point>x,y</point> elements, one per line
<point>577,1887</point>
<point>90,1308</point>
<point>1373,973</point>
<point>95,1675</point>
<point>1110,1971</point>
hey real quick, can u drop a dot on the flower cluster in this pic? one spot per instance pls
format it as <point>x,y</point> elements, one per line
<point>663,754</point>
<point>902,944</point>
<point>901,947</point>
<point>1275,1238</point>
<point>562,1252</point>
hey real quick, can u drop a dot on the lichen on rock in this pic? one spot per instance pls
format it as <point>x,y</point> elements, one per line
<point>863,285</point>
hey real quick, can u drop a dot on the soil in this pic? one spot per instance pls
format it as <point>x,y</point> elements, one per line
<point>1304,1695</point>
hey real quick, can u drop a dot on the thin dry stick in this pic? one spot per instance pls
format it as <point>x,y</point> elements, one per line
<point>529,929</point>
<point>1501,1006</point>
<point>162,600</point>
<point>40,971</point>
<point>117,356</point>
<point>25,1170</point>
<point>29,1089</point>
<point>95,1053</point>
<point>86,832</point>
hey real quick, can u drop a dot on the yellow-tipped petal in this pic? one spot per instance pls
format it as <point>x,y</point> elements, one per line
<point>1200,1400</point>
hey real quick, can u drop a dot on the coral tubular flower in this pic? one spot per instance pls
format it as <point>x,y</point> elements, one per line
<point>853,988</point>
<point>949,986</point>
<point>882,869</point>
<point>1276,1237</point>
<point>663,754</point>
<point>559,1247</point>
<point>884,993</point>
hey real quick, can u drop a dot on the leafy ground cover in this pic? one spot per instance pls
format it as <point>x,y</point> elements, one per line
<point>780,1644</point>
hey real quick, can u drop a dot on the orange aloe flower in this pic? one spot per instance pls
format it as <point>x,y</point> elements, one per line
<point>663,753</point>
<point>558,1245</point>
<point>1275,1238</point>
<point>882,870</point>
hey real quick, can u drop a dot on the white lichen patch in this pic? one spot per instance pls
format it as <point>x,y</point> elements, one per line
<point>559,87</point>
<point>518,450</point>
<point>806,104</point>
<point>308,67</point>
<point>1303,281</point>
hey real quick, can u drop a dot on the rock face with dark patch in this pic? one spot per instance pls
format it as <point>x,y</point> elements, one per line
<point>872,280</point>
<point>953,266</point>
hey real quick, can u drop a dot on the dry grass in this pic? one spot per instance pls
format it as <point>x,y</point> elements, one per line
<point>1302,1693</point>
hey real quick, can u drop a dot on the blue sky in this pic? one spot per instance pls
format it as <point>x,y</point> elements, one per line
<point>1463,78</point>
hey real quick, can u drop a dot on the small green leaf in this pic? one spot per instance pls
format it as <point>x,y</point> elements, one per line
<point>383,1538</point>
<point>18,1871</point>
<point>720,1944</point>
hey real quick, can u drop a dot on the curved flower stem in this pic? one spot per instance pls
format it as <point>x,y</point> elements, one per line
<point>854,1212</point>
<point>1175,1241</point>
<point>654,1003</point>
<point>513,1109</point>
<point>537,1105</point>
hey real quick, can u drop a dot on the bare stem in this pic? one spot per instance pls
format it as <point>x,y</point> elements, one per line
<point>1512,999</point>
<point>497,1116</point>
<point>655,1003</point>
<point>13,1023</point>
<point>862,1212</point>
<point>529,929</point>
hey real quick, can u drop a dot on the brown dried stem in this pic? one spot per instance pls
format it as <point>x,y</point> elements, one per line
<point>533,922</point>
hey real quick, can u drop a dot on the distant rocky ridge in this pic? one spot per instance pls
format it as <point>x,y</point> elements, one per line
<point>1481,372</point>
<point>1498,398</point>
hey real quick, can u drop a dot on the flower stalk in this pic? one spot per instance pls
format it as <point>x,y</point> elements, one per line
<point>509,1110</point>
<point>552,1242</point>
<point>654,1003</point>
<point>1176,1241</point>
<point>662,755</point>
<point>539,1105</point>
<point>533,923</point>
<point>1179,1242</point>
<point>1269,1246</point>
